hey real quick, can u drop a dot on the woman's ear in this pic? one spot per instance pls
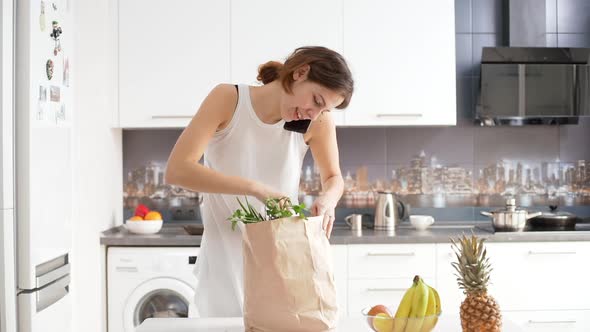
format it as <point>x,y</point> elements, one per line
<point>301,73</point>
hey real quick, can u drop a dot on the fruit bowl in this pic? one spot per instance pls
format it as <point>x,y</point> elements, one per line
<point>386,322</point>
<point>144,226</point>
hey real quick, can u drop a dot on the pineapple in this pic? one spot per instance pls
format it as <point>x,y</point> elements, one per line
<point>479,311</point>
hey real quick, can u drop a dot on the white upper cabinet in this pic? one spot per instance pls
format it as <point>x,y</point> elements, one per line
<point>402,54</point>
<point>265,30</point>
<point>170,55</point>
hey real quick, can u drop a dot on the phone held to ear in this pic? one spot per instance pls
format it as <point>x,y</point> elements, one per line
<point>299,126</point>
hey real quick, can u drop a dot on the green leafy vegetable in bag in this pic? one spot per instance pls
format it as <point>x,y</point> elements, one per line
<point>275,208</point>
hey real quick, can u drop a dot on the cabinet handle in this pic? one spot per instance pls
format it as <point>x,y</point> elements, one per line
<point>172,116</point>
<point>380,254</point>
<point>407,115</point>
<point>386,289</point>
<point>552,321</point>
<point>531,252</point>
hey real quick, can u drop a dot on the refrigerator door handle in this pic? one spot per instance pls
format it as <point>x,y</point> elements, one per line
<point>52,293</point>
<point>52,275</point>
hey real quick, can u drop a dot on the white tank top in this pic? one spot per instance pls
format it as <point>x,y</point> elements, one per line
<point>252,149</point>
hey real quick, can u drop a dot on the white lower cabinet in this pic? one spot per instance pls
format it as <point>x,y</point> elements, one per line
<point>340,258</point>
<point>390,261</point>
<point>370,292</point>
<point>446,281</point>
<point>550,321</point>
<point>539,285</point>
<point>381,273</point>
<point>540,275</point>
<point>525,276</point>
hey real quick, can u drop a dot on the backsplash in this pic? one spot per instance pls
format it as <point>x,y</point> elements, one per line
<point>450,167</point>
<point>465,166</point>
<point>449,172</point>
<point>145,153</point>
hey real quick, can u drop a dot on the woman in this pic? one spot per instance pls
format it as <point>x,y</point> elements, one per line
<point>247,151</point>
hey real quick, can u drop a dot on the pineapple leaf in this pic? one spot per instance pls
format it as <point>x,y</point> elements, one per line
<point>472,263</point>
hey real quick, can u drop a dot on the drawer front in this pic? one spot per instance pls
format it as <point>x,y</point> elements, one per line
<point>391,261</point>
<point>540,275</point>
<point>446,282</point>
<point>370,292</point>
<point>550,321</point>
<point>340,256</point>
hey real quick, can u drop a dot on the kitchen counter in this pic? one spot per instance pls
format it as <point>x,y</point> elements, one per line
<point>175,235</point>
<point>170,235</point>
<point>235,324</point>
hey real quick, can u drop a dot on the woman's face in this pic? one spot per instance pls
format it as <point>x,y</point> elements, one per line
<point>307,100</point>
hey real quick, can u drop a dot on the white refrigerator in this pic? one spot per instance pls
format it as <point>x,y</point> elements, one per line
<point>36,166</point>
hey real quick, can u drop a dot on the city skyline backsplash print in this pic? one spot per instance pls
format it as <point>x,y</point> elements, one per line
<point>427,167</point>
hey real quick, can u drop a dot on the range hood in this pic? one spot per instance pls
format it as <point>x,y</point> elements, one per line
<point>524,85</point>
<point>528,83</point>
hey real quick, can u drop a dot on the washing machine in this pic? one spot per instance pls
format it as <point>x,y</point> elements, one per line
<point>149,282</point>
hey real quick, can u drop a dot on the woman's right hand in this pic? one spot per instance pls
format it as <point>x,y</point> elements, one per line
<point>262,192</point>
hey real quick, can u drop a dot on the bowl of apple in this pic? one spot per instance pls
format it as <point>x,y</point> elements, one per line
<point>144,221</point>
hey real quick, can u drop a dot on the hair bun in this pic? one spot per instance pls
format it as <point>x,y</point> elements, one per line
<point>269,71</point>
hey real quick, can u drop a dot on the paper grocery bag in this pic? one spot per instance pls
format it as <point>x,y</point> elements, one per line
<point>288,276</point>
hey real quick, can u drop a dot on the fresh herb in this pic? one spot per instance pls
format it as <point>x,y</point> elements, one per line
<point>275,208</point>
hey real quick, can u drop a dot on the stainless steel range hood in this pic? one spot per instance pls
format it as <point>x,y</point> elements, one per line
<point>527,83</point>
<point>524,85</point>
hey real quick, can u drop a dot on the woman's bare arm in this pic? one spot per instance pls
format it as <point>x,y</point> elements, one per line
<point>324,148</point>
<point>183,168</point>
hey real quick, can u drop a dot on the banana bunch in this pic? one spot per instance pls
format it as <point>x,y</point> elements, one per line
<point>419,308</point>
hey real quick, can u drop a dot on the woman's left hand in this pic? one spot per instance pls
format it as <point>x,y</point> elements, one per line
<point>324,206</point>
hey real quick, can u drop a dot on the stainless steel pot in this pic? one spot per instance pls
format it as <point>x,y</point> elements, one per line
<point>510,219</point>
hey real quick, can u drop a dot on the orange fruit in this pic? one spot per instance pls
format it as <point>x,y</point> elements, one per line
<point>153,215</point>
<point>136,218</point>
<point>377,309</point>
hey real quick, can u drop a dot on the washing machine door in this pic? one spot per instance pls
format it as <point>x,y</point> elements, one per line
<point>158,298</point>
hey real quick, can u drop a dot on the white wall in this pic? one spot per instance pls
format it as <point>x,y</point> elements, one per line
<point>98,161</point>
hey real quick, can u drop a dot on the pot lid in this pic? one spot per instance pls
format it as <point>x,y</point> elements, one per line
<point>556,216</point>
<point>510,207</point>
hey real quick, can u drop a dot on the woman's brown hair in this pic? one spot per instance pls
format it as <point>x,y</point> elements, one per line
<point>327,68</point>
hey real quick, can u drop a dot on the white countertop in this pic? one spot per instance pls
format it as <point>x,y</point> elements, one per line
<point>356,324</point>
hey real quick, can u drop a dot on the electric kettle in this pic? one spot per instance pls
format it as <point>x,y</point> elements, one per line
<point>389,211</point>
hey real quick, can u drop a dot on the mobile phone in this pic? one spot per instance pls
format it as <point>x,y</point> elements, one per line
<point>299,126</point>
